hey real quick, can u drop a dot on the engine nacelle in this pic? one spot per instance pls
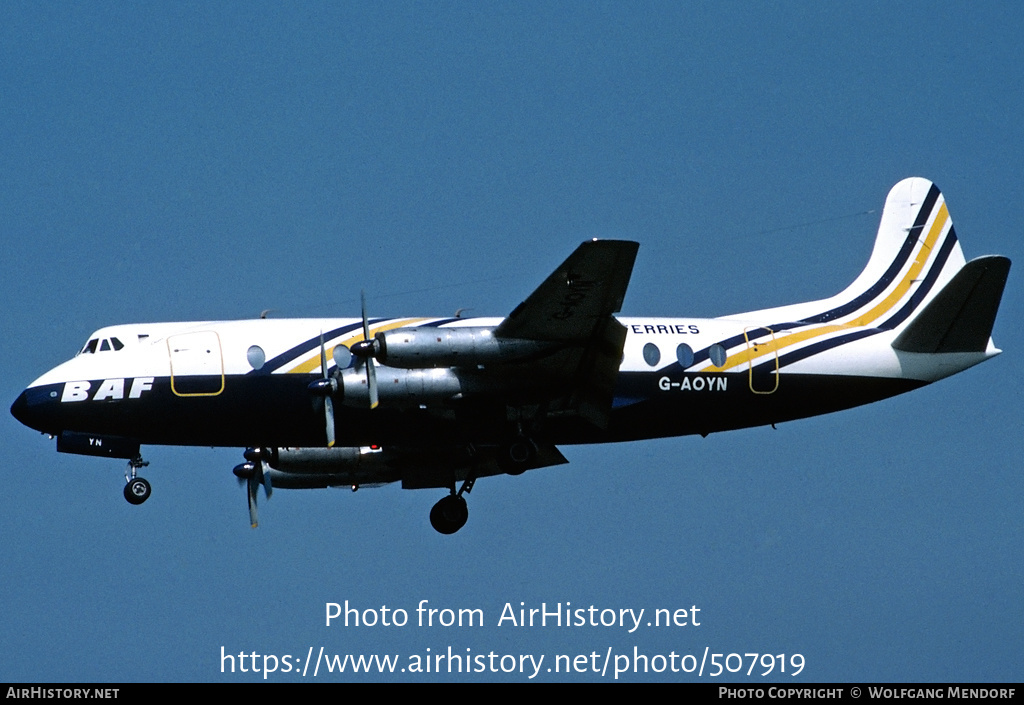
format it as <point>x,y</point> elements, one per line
<point>307,468</point>
<point>371,466</point>
<point>426,347</point>
<point>398,387</point>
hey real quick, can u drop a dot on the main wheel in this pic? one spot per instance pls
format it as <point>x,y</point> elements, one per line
<point>137,490</point>
<point>449,514</point>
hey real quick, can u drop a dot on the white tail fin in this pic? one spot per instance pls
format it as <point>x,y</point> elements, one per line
<point>916,254</point>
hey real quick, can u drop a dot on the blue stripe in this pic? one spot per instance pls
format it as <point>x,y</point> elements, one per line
<point>890,273</point>
<point>926,284</point>
<point>892,322</point>
<point>291,355</point>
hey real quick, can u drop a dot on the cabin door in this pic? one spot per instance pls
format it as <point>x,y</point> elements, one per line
<point>763,360</point>
<point>197,364</point>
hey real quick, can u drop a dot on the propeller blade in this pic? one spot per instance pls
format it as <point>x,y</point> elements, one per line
<point>328,402</point>
<point>366,323</point>
<point>323,357</point>
<point>329,414</point>
<point>253,484</point>
<point>371,372</point>
<point>371,382</point>
<point>268,489</point>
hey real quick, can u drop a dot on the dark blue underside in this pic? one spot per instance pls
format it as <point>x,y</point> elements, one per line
<point>277,410</point>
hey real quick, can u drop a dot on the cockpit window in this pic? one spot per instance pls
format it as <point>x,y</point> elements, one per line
<point>101,345</point>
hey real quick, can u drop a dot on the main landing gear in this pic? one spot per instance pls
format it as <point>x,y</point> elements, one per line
<point>136,489</point>
<point>450,513</point>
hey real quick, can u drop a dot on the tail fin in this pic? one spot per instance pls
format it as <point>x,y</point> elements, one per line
<point>916,254</point>
<point>960,317</point>
<point>917,290</point>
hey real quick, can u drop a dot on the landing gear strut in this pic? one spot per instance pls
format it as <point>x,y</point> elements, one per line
<point>136,489</point>
<point>450,513</point>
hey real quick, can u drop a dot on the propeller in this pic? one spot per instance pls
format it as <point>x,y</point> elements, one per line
<point>327,386</point>
<point>253,473</point>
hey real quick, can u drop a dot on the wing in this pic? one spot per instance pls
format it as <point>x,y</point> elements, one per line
<point>578,298</point>
<point>572,309</point>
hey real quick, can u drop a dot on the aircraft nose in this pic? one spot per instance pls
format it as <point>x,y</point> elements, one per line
<point>31,408</point>
<point>19,408</point>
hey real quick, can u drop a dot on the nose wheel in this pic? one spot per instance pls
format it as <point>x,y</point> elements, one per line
<point>136,489</point>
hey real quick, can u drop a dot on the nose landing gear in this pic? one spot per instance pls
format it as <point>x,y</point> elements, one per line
<point>136,489</point>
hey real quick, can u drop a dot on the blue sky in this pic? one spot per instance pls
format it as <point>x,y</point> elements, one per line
<point>186,161</point>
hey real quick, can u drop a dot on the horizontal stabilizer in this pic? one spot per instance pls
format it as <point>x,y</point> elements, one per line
<point>960,317</point>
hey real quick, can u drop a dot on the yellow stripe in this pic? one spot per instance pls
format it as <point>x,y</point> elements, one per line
<point>312,364</point>
<point>883,307</point>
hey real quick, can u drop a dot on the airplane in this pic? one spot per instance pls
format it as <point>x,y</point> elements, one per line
<point>438,401</point>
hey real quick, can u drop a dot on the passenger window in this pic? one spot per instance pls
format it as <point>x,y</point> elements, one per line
<point>256,357</point>
<point>718,355</point>
<point>684,354</point>
<point>651,354</point>
<point>342,356</point>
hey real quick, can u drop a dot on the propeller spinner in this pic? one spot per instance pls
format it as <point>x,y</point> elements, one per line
<point>253,473</point>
